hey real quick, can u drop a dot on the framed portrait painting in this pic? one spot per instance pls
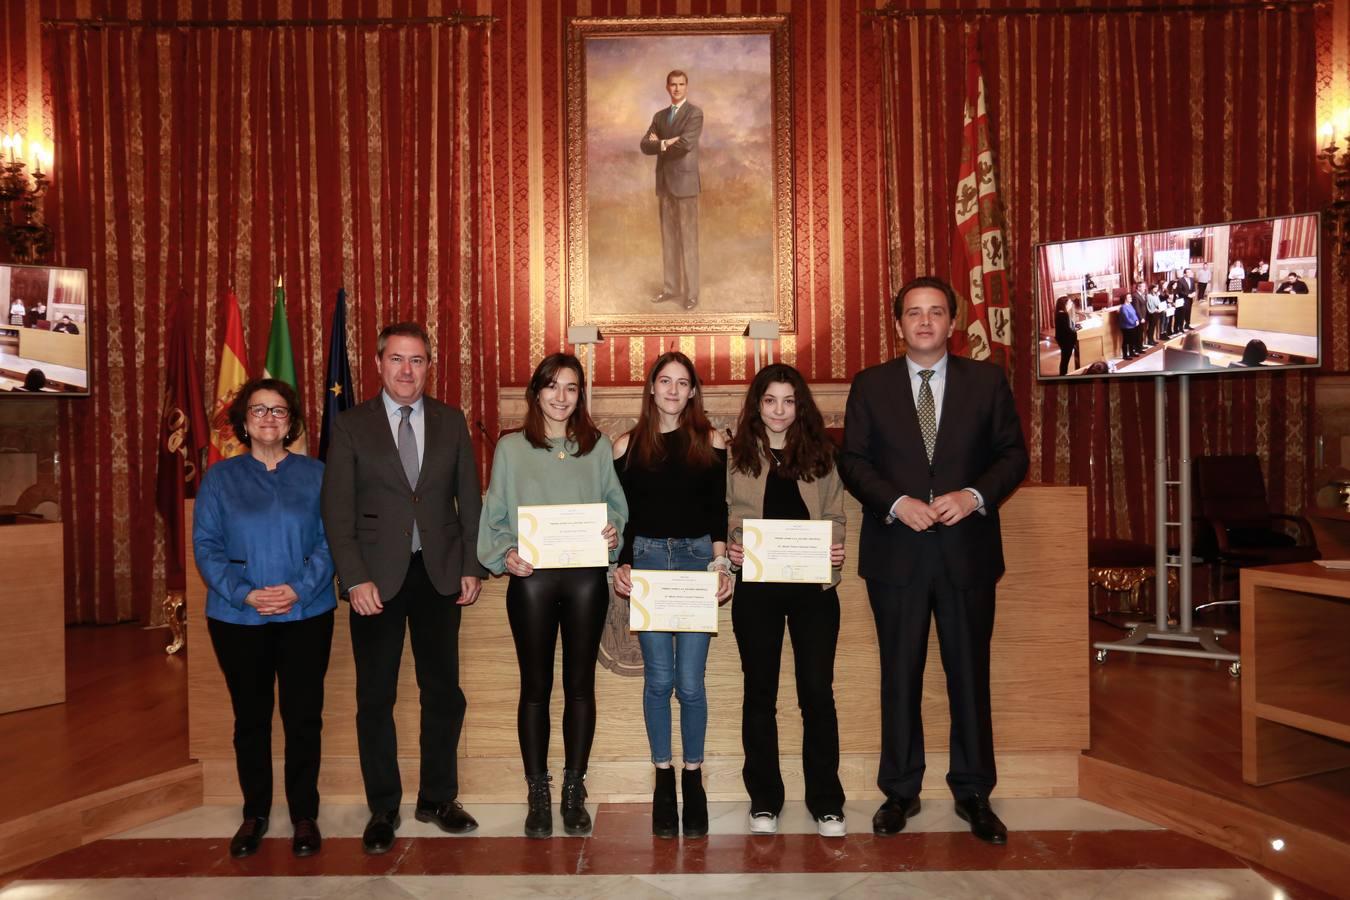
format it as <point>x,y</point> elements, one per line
<point>679,174</point>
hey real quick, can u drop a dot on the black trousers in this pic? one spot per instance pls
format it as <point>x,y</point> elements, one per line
<point>965,622</point>
<point>811,615</point>
<point>1066,349</point>
<point>294,655</point>
<point>575,603</point>
<point>431,620</point>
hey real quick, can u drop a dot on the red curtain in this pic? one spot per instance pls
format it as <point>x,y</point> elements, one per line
<point>1114,123</point>
<point>204,158</point>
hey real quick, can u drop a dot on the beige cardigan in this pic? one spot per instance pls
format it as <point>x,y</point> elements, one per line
<point>824,499</point>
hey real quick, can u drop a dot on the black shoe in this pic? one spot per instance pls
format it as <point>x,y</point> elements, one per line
<point>890,818</point>
<point>663,297</point>
<point>665,814</point>
<point>690,302</point>
<point>379,834</point>
<point>249,837</point>
<point>695,803</point>
<point>307,841</point>
<point>576,821</point>
<point>539,819</point>
<point>448,816</point>
<point>984,824</point>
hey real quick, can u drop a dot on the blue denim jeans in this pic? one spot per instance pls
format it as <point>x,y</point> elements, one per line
<point>674,661</point>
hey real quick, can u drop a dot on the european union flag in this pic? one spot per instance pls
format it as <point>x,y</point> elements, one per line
<point>338,392</point>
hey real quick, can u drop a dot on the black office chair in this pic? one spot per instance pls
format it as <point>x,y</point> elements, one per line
<point>1234,526</point>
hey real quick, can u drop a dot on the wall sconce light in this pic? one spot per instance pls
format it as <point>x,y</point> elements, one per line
<point>586,336</point>
<point>21,225</point>
<point>762,333</point>
<point>1335,159</point>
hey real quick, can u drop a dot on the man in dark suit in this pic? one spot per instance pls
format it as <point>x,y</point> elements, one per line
<point>673,140</point>
<point>930,477</point>
<point>1292,284</point>
<point>1185,293</point>
<point>401,503</point>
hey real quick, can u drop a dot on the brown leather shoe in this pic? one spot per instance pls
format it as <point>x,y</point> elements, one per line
<point>248,838</point>
<point>307,841</point>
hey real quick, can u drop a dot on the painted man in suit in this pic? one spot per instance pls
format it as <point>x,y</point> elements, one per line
<point>673,140</point>
<point>930,476</point>
<point>401,503</point>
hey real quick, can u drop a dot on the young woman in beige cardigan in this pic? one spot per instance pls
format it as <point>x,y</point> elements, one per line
<point>782,467</point>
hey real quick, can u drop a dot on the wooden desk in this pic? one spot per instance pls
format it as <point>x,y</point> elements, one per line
<point>1039,685</point>
<point>33,613</point>
<point>1295,679</point>
<point>1287,313</point>
<point>54,347</point>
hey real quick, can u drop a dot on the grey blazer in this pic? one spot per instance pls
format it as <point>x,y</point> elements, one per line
<point>369,509</point>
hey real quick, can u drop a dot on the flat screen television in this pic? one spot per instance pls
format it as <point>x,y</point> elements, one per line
<point>1235,297</point>
<point>44,333</point>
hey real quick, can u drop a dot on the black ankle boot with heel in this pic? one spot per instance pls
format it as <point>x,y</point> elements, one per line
<point>665,812</point>
<point>695,803</point>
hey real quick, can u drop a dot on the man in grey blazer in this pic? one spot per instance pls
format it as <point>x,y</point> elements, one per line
<point>401,503</point>
<point>673,140</point>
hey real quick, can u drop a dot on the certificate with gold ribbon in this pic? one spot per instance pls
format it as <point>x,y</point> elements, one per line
<point>562,536</point>
<point>787,550</point>
<point>673,601</point>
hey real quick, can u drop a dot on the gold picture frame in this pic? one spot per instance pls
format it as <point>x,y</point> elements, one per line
<point>615,70</point>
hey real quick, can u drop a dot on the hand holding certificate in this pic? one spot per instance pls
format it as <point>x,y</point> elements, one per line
<point>673,601</point>
<point>562,536</point>
<point>787,550</point>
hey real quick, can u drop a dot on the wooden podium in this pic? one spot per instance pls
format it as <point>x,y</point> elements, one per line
<point>33,608</point>
<point>1040,689</point>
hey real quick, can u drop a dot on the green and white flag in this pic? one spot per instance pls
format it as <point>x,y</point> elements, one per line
<point>280,361</point>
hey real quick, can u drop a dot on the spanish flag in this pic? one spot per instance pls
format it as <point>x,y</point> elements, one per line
<point>232,376</point>
<point>280,361</point>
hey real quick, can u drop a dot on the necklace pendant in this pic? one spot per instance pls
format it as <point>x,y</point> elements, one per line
<point>562,454</point>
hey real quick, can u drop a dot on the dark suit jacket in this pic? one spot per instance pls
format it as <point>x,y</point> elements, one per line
<point>1185,287</point>
<point>979,445</point>
<point>677,168</point>
<point>368,507</point>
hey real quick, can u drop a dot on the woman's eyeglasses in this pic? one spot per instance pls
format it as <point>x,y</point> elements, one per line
<point>277,412</point>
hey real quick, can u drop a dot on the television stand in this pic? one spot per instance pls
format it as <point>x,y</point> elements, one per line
<point>1182,639</point>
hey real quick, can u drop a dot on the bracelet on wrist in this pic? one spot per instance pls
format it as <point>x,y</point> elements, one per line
<point>720,564</point>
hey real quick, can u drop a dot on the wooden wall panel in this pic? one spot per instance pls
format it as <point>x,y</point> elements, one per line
<point>32,608</point>
<point>1040,690</point>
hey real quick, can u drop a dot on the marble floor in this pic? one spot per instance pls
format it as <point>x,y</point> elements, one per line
<point>1056,848</point>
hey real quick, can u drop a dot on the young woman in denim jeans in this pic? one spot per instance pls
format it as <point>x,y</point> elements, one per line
<point>673,469</point>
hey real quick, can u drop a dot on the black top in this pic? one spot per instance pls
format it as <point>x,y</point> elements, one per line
<point>782,497</point>
<point>672,500</point>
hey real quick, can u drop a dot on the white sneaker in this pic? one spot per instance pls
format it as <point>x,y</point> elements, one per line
<point>831,826</point>
<point>763,823</point>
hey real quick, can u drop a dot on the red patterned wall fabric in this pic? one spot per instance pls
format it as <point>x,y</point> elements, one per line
<point>1107,124</point>
<point>205,158</point>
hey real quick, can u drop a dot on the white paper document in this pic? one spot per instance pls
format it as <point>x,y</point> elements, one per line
<point>673,601</point>
<point>787,550</point>
<point>562,536</point>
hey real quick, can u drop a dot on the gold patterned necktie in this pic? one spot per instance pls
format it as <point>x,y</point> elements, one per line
<point>927,411</point>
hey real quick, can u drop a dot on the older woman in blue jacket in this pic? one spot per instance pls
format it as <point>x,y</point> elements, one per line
<point>261,550</point>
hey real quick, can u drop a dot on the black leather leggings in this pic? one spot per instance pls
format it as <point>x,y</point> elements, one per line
<point>575,602</point>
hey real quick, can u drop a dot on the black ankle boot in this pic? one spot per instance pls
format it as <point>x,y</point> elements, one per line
<point>695,803</point>
<point>575,818</point>
<point>665,814</point>
<point>539,820</point>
